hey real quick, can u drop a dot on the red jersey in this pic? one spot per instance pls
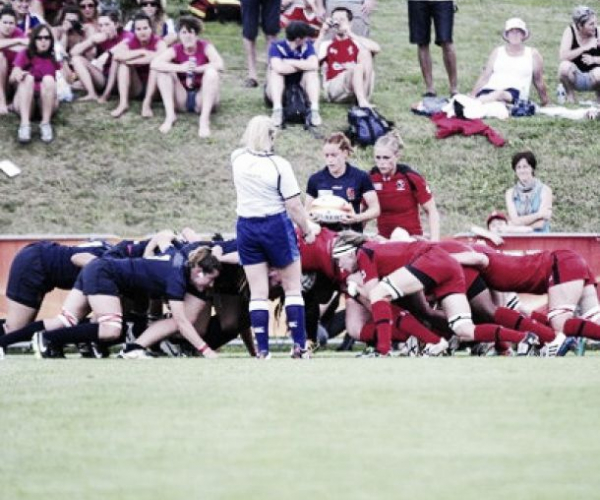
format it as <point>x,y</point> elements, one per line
<point>400,196</point>
<point>377,260</point>
<point>316,257</point>
<point>340,54</point>
<point>453,246</point>
<point>8,52</point>
<point>181,57</point>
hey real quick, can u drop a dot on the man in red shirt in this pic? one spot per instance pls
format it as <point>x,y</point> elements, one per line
<point>348,60</point>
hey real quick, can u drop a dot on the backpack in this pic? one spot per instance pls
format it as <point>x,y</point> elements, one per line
<point>366,126</point>
<point>296,106</point>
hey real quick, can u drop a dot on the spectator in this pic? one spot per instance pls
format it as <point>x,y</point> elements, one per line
<point>266,12</point>
<point>89,10</point>
<point>12,40</point>
<point>339,178</point>
<point>420,15</point>
<point>134,56</point>
<point>35,76</point>
<point>348,60</point>
<point>497,224</point>
<point>162,25</point>
<point>529,202</point>
<point>511,68</point>
<point>67,34</point>
<point>310,12</point>
<point>580,54</point>
<point>293,61</point>
<point>26,20</point>
<point>185,84</point>
<point>401,191</point>
<point>361,13</point>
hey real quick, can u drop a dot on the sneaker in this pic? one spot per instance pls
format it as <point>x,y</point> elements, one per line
<point>299,353</point>
<point>434,350</point>
<point>277,117</point>
<point>133,353</point>
<point>312,346</point>
<point>315,118</point>
<point>527,345</point>
<point>551,349</point>
<point>24,134</point>
<point>43,349</point>
<point>170,349</point>
<point>46,133</point>
<point>570,344</point>
<point>263,355</point>
<point>346,344</point>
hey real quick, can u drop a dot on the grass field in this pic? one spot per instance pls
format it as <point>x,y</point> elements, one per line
<point>332,428</point>
<point>121,176</point>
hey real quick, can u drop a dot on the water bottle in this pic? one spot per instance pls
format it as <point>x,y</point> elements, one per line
<point>561,94</point>
<point>189,78</point>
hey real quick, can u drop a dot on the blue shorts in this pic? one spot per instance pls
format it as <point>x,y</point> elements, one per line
<point>27,279</point>
<point>420,15</point>
<point>269,239</point>
<point>97,278</point>
<point>513,92</point>
<point>265,11</point>
<point>583,81</point>
<point>190,101</point>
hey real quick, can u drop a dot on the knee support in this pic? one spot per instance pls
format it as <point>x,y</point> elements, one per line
<point>513,301</point>
<point>458,320</point>
<point>592,315</point>
<point>563,309</point>
<point>392,289</point>
<point>113,319</point>
<point>68,319</point>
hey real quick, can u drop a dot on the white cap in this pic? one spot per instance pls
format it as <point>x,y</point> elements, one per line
<point>515,23</point>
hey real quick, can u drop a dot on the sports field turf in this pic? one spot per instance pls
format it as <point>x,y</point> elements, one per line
<point>334,427</point>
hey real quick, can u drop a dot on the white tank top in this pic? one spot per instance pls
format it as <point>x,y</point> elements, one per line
<point>513,72</point>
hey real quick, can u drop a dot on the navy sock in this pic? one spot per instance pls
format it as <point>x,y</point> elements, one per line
<point>294,310</point>
<point>21,335</point>
<point>87,332</point>
<point>259,319</point>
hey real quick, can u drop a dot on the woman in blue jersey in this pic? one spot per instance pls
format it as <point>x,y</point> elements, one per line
<point>183,283</point>
<point>268,200</point>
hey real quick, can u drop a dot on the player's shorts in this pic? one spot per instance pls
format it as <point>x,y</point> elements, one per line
<point>97,278</point>
<point>440,273</point>
<point>269,239</point>
<point>27,279</point>
<point>264,11</point>
<point>338,89</point>
<point>570,266</point>
<point>420,15</point>
<point>515,94</point>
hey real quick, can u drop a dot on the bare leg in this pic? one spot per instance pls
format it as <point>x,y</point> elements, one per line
<point>210,97</point>
<point>3,84</point>
<point>123,84</point>
<point>275,86</point>
<point>150,92</point>
<point>566,75</point>
<point>449,55</point>
<point>48,98</point>
<point>18,315</point>
<point>90,81</point>
<point>24,100</point>
<point>165,83</point>
<point>310,81</point>
<point>426,67</point>
<point>250,49</point>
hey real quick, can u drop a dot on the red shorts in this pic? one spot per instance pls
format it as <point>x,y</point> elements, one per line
<point>440,273</point>
<point>570,266</point>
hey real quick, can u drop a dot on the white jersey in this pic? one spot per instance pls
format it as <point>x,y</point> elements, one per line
<point>512,72</point>
<point>263,182</point>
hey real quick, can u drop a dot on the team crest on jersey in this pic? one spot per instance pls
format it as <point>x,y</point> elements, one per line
<point>400,185</point>
<point>350,194</point>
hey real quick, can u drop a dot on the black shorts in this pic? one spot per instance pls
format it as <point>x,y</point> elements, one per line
<point>420,15</point>
<point>266,12</point>
<point>97,278</point>
<point>513,92</point>
<point>27,279</point>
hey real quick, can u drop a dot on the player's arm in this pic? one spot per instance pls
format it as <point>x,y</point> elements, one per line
<point>433,217</point>
<point>486,74</point>
<point>193,306</point>
<point>82,259</point>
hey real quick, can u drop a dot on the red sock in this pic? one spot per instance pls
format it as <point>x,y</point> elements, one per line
<point>577,327</point>
<point>382,315</point>
<point>410,325</point>
<point>495,333</point>
<point>517,321</point>
<point>540,317</point>
<point>367,333</point>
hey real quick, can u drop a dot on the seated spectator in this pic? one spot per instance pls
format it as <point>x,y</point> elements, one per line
<point>361,13</point>
<point>348,60</point>
<point>293,61</point>
<point>188,76</point>
<point>12,41</point>
<point>134,55</point>
<point>100,72</point>
<point>162,25</point>
<point>34,75</point>
<point>68,33</point>
<point>340,178</point>
<point>26,20</point>
<point>497,224</point>
<point>401,191</point>
<point>529,202</point>
<point>49,10</point>
<point>89,11</point>
<point>511,68</point>
<point>579,68</point>
<point>310,12</point>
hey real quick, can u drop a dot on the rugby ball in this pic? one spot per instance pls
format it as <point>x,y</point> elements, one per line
<point>330,209</point>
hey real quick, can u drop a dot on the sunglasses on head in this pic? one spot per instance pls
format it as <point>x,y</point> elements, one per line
<point>43,37</point>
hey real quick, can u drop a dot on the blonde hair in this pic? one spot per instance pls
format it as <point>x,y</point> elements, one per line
<point>259,134</point>
<point>340,140</point>
<point>391,140</point>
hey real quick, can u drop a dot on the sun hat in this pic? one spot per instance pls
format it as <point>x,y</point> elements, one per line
<point>515,23</point>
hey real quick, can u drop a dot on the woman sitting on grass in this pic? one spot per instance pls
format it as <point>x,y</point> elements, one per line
<point>34,74</point>
<point>89,11</point>
<point>162,25</point>
<point>188,76</point>
<point>134,77</point>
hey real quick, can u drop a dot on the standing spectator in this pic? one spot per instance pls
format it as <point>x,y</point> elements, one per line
<point>361,13</point>
<point>511,68</point>
<point>265,233</point>
<point>348,60</point>
<point>35,76</point>
<point>189,85</point>
<point>339,178</point>
<point>293,61</point>
<point>12,40</point>
<point>421,13</point>
<point>265,12</point>
<point>580,54</point>
<point>401,191</point>
<point>529,202</point>
<point>26,20</point>
<point>308,11</point>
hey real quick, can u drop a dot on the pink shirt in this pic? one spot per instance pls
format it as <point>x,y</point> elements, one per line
<point>181,57</point>
<point>8,52</point>
<point>38,67</point>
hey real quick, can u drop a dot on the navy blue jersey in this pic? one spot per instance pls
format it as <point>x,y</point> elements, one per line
<point>351,186</point>
<point>127,249</point>
<point>228,246</point>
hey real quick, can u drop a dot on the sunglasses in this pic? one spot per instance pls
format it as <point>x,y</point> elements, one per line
<point>149,4</point>
<point>383,157</point>
<point>87,5</point>
<point>43,37</point>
